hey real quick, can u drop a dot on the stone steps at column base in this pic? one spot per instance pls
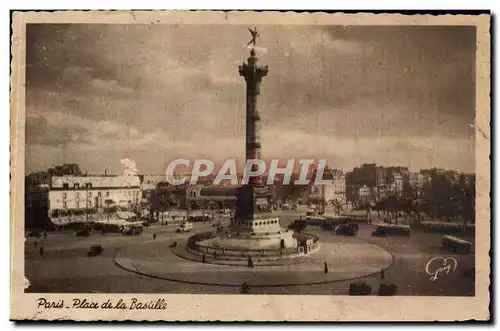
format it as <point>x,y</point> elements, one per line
<point>184,252</point>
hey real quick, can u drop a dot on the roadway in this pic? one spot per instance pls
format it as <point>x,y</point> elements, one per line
<point>65,267</point>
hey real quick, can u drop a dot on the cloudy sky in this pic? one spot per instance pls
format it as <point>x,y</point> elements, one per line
<point>153,93</point>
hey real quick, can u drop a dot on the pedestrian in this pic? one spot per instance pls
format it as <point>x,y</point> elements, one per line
<point>45,234</point>
<point>244,288</point>
<point>250,262</point>
<point>41,250</point>
<point>326,268</point>
<point>154,236</point>
<point>215,255</point>
<point>36,242</point>
<point>203,258</point>
<point>382,273</point>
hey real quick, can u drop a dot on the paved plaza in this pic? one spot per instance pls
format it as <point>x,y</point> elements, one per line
<point>346,257</point>
<point>65,266</point>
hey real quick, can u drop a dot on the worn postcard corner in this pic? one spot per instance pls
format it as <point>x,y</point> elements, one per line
<point>250,166</point>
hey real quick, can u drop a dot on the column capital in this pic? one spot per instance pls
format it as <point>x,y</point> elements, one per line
<point>252,72</point>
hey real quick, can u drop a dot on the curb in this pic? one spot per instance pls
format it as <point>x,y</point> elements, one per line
<point>233,264</point>
<point>250,285</point>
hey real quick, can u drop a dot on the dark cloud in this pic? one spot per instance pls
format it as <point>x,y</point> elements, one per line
<point>40,132</point>
<point>182,81</point>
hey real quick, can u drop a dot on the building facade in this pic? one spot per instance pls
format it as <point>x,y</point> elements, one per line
<point>70,194</point>
<point>397,184</point>
<point>336,191</point>
<point>36,206</point>
<point>381,176</point>
<point>365,194</point>
<point>416,180</point>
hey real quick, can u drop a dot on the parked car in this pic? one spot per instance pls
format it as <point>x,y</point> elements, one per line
<point>94,250</point>
<point>83,232</point>
<point>185,227</point>
<point>359,288</point>
<point>387,289</point>
<point>347,229</point>
<point>132,230</point>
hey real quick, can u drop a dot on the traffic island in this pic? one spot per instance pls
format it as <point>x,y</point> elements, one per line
<point>347,260</point>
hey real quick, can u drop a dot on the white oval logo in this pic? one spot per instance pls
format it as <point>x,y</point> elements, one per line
<point>438,265</point>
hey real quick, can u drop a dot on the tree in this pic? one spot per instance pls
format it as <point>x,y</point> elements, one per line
<point>467,200</point>
<point>337,205</point>
<point>377,208</point>
<point>391,206</point>
<point>381,205</point>
<point>446,198</point>
<point>108,203</point>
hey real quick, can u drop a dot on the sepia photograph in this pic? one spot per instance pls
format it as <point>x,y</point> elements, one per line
<point>250,158</point>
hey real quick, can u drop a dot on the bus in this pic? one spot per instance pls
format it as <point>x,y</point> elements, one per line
<point>132,229</point>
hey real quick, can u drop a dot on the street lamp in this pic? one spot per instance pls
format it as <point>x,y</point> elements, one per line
<point>86,203</point>
<point>212,206</point>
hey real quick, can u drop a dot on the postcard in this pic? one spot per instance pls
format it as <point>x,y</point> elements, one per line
<point>250,166</point>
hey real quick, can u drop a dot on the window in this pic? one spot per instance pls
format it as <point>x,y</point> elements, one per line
<point>77,185</point>
<point>78,204</point>
<point>65,195</point>
<point>90,194</point>
<point>107,194</point>
<point>99,194</point>
<point>65,205</point>
<point>77,195</point>
<point>88,185</point>
<point>65,185</point>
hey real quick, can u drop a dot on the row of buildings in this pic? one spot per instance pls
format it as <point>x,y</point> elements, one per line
<point>370,182</point>
<point>65,191</point>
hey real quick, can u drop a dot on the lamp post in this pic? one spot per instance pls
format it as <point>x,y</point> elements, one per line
<point>86,203</point>
<point>212,206</point>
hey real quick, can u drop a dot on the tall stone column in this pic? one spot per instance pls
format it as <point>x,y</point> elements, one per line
<point>251,196</point>
<point>253,74</point>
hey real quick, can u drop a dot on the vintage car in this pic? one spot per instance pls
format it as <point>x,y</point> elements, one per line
<point>94,250</point>
<point>359,288</point>
<point>185,227</point>
<point>387,289</point>
<point>347,229</point>
<point>84,232</point>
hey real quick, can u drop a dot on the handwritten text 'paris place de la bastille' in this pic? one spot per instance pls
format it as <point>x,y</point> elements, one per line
<point>78,303</point>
